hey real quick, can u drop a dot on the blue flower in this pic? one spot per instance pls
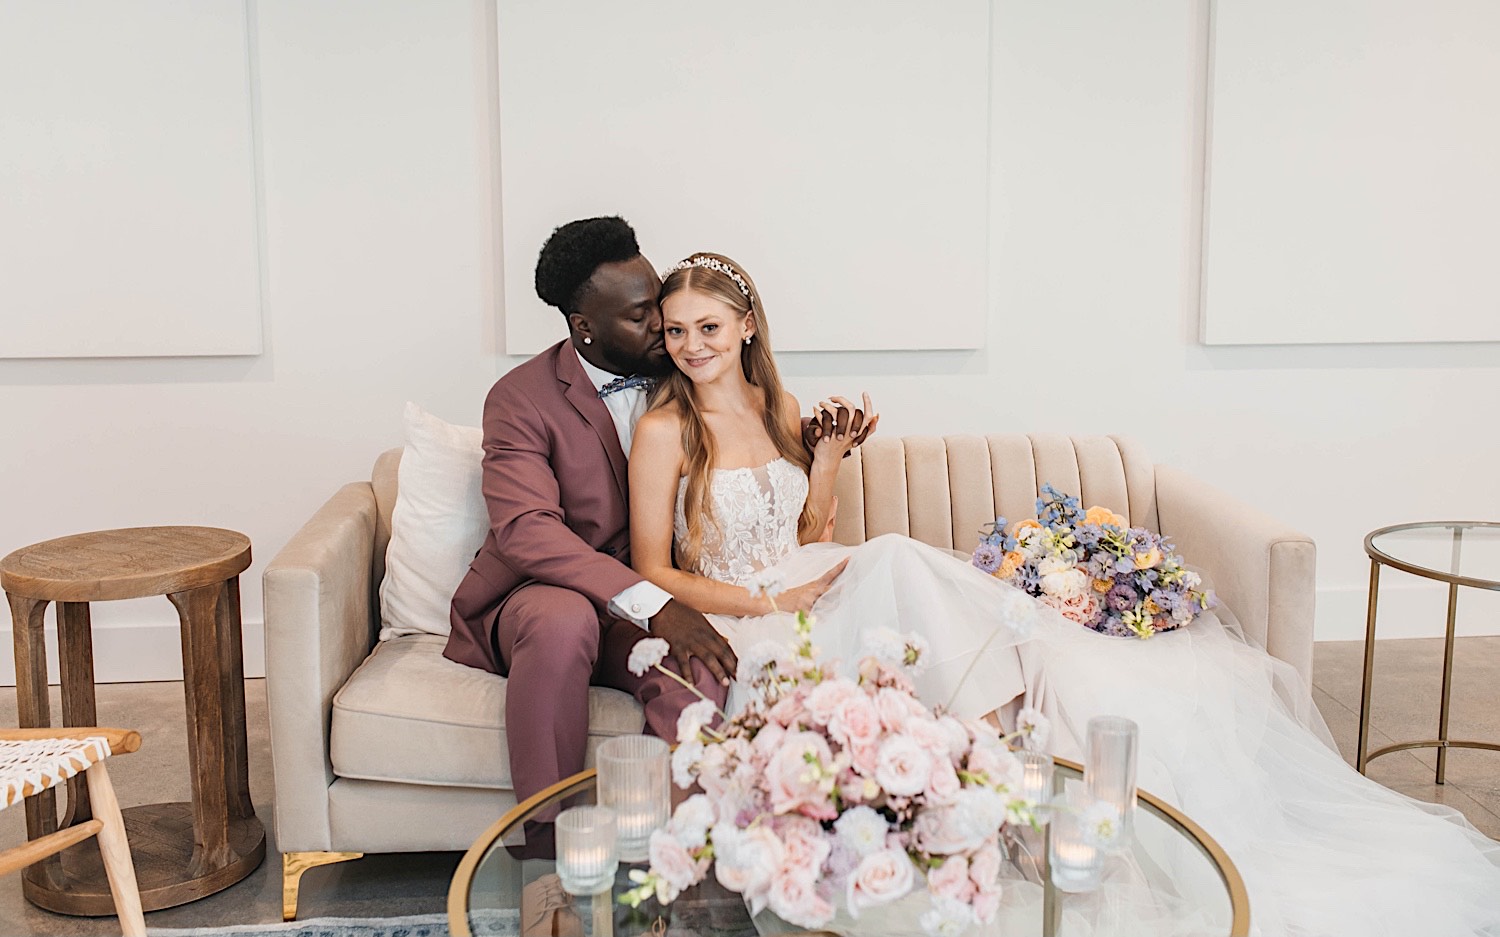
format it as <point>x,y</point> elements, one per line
<point>988,557</point>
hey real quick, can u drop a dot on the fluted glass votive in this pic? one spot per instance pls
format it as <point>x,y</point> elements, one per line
<point>1109,768</point>
<point>1036,781</point>
<point>1076,862</point>
<point>586,856</point>
<point>635,780</point>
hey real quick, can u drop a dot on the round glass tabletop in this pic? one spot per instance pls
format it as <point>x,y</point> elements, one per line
<point>1466,553</point>
<point>1172,867</point>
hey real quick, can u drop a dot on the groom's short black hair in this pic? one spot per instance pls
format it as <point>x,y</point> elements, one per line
<point>574,252</point>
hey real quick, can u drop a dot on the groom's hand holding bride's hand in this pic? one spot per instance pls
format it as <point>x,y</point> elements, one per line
<point>688,634</point>
<point>838,421</point>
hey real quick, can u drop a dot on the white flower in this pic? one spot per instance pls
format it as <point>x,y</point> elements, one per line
<point>863,829</point>
<point>750,863</point>
<point>885,644</point>
<point>903,650</point>
<point>692,820</point>
<point>948,918</point>
<point>670,860</point>
<point>1034,728</point>
<point>764,657</point>
<point>880,878</point>
<point>980,812</point>
<point>1101,824</point>
<point>694,718</point>
<point>686,762</point>
<point>903,766</point>
<point>1065,583</point>
<point>646,654</point>
<point>767,582</point>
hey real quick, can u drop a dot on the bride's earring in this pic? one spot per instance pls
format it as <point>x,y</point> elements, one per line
<point>747,339</point>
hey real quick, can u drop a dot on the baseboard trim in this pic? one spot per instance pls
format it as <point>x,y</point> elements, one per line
<point>132,652</point>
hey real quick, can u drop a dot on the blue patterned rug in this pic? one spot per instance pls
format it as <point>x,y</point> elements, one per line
<point>489,924</point>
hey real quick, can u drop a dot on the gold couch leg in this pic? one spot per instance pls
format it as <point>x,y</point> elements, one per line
<point>293,864</point>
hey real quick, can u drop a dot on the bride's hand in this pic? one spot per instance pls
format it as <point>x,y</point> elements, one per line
<point>802,598</point>
<point>840,426</point>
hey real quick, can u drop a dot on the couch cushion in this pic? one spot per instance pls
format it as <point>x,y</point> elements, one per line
<point>437,525</point>
<point>409,714</point>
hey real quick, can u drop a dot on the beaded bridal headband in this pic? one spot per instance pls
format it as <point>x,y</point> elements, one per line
<point>712,264</point>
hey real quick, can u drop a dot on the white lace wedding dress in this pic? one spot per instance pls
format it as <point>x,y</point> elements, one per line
<point>891,582</point>
<point>1227,733</point>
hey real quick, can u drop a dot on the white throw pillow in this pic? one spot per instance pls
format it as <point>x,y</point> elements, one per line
<point>438,524</point>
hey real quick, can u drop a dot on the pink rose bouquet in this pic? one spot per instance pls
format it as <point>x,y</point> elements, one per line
<point>832,792</point>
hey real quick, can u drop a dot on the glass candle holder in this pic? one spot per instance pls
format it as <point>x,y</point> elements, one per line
<point>1036,781</point>
<point>1109,768</point>
<point>1076,864</point>
<point>635,780</point>
<point>586,857</point>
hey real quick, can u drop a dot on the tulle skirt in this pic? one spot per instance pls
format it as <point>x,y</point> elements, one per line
<point>970,621</point>
<point>1229,735</point>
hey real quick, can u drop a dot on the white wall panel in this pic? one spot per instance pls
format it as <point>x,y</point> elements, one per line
<point>836,149</point>
<point>127,180</point>
<point>1352,183</point>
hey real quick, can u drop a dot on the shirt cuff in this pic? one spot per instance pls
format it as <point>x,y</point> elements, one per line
<point>638,603</point>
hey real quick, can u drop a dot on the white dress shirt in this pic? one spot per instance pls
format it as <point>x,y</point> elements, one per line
<point>644,599</point>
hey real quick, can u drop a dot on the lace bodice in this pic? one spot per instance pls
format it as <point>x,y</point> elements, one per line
<point>754,523</point>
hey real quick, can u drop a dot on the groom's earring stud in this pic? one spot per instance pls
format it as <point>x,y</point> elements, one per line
<point>587,340</point>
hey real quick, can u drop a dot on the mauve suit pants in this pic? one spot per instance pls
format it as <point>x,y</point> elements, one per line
<point>554,645</point>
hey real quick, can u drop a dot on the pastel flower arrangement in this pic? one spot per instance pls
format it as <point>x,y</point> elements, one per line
<point>1094,568</point>
<point>830,792</point>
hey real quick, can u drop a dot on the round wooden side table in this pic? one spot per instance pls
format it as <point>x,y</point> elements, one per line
<point>182,851</point>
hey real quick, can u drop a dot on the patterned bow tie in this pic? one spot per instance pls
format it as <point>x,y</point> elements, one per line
<point>625,383</point>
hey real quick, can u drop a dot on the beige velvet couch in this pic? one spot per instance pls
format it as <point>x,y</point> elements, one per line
<point>392,748</point>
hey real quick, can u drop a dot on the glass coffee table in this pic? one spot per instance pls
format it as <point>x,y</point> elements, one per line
<point>1458,553</point>
<point>1173,867</point>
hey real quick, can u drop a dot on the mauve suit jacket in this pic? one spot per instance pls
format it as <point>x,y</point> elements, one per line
<point>555,484</point>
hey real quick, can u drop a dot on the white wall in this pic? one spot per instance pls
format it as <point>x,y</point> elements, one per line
<point>378,138</point>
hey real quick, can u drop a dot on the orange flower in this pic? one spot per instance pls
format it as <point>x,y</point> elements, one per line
<point>1101,516</point>
<point>1022,525</point>
<point>1103,585</point>
<point>1009,565</point>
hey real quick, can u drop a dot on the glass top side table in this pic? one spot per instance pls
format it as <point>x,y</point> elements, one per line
<point>1459,553</point>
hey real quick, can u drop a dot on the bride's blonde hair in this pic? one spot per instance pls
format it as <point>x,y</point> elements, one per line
<point>721,278</point>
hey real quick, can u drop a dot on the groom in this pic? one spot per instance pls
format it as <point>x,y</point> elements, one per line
<point>550,600</point>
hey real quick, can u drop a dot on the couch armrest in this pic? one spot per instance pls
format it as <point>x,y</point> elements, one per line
<point>318,630</point>
<point>1263,570</point>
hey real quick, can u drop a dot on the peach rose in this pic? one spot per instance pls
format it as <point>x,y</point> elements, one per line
<point>880,878</point>
<point>796,900</point>
<point>1010,564</point>
<point>792,782</point>
<point>1080,608</point>
<point>855,722</point>
<point>1024,525</point>
<point>1102,516</point>
<point>951,879</point>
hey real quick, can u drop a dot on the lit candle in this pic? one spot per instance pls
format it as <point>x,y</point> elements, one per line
<point>586,858</point>
<point>1036,780</point>
<point>1076,862</point>
<point>635,781</point>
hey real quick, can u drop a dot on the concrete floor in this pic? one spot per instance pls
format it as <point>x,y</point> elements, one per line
<point>1408,678</point>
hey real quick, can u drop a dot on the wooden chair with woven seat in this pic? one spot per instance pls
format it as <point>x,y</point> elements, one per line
<point>33,760</point>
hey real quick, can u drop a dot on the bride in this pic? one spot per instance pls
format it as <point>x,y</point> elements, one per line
<point>720,480</point>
